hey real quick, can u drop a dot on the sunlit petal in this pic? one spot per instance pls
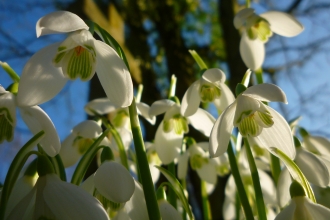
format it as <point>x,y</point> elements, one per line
<point>87,129</point>
<point>287,213</point>
<point>114,182</point>
<point>160,106</point>
<point>252,52</point>
<point>167,211</point>
<point>313,168</point>
<point>245,107</point>
<point>136,207</point>
<point>183,165</point>
<point>40,80</point>
<point>283,186</point>
<point>318,144</point>
<point>191,99</point>
<point>221,131</point>
<point>102,106</point>
<point>69,154</point>
<point>227,97</point>
<point>59,22</point>
<point>37,120</point>
<point>143,109</point>
<point>266,92</point>
<point>269,137</point>
<point>202,121</point>
<point>214,75</point>
<point>113,75</point>
<point>208,173</point>
<point>283,24</point>
<point>318,211</point>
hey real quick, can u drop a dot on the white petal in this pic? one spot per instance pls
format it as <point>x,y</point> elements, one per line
<point>318,211</point>
<point>202,121</point>
<point>183,165</point>
<point>171,112</point>
<point>143,109</point>
<point>114,182</point>
<point>40,80</point>
<point>87,129</point>
<point>208,173</point>
<point>102,106</point>
<point>242,16</point>
<point>221,132</point>
<point>2,90</point>
<point>59,22</point>
<point>68,201</point>
<point>313,168</point>
<point>318,144</point>
<point>268,188</point>
<point>227,97</point>
<point>88,185</point>
<point>37,120</point>
<point>229,209</point>
<point>136,207</point>
<point>245,107</point>
<point>278,136</point>
<point>252,52</point>
<point>191,99</point>
<point>7,102</point>
<point>168,212</point>
<point>160,106</point>
<point>114,75</point>
<point>266,92</point>
<point>24,208</point>
<point>287,212</point>
<point>69,154</point>
<point>283,186</point>
<point>167,145</point>
<point>283,24</point>
<point>214,75</point>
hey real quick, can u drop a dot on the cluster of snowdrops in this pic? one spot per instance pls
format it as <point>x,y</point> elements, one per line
<point>270,168</point>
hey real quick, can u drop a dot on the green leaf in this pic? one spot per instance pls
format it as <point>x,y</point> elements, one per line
<point>86,160</point>
<point>177,188</point>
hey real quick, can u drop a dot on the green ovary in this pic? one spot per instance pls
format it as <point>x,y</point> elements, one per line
<point>208,93</point>
<point>120,118</point>
<point>82,144</point>
<point>197,161</point>
<point>178,123</point>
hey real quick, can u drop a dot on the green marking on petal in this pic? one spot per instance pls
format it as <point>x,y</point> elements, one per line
<point>60,48</point>
<point>197,161</point>
<point>209,92</point>
<point>264,119</point>
<point>178,123</point>
<point>249,126</point>
<point>247,113</point>
<point>58,58</point>
<point>6,129</point>
<point>120,118</point>
<point>81,63</point>
<point>82,144</point>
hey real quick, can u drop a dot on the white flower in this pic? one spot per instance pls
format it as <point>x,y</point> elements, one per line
<point>51,198</point>
<point>257,30</point>
<point>210,87</point>
<point>79,56</point>
<point>261,124</point>
<point>169,135</point>
<point>34,117</point>
<point>77,143</point>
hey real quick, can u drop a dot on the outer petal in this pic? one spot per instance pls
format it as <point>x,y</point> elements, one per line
<point>313,168</point>
<point>252,52</point>
<point>114,182</point>
<point>266,92</point>
<point>24,208</point>
<point>87,129</point>
<point>214,75</point>
<point>69,154</point>
<point>37,120</point>
<point>168,212</point>
<point>208,173</point>
<point>318,144</point>
<point>242,16</point>
<point>191,99</point>
<point>278,136</point>
<point>68,201</point>
<point>245,107</point>
<point>167,144</point>
<point>160,106</point>
<point>318,211</point>
<point>202,121</point>
<point>114,75</point>
<point>7,102</point>
<point>183,165</point>
<point>283,23</point>
<point>227,97</point>
<point>287,212</point>
<point>59,22</point>
<point>143,109</point>
<point>283,186</point>
<point>101,106</point>
<point>40,80</point>
<point>136,207</point>
<point>221,131</point>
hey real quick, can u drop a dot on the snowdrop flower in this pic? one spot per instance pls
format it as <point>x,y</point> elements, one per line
<point>51,198</point>
<point>169,134</point>
<point>315,144</point>
<point>77,143</point>
<point>261,124</point>
<point>78,56</point>
<point>210,87</point>
<point>34,117</point>
<point>301,207</point>
<point>167,211</point>
<point>258,28</point>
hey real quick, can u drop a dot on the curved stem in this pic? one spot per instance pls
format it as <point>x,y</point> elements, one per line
<point>205,201</point>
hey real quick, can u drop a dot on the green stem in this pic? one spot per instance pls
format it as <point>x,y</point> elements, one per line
<point>205,201</point>
<point>275,167</point>
<point>248,3</point>
<point>120,145</point>
<point>143,165</point>
<point>239,183</point>
<point>259,76</point>
<point>237,206</point>
<point>171,193</point>
<point>15,169</point>
<point>139,93</point>
<point>256,182</point>
<point>198,59</point>
<point>171,92</point>
<point>13,75</point>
